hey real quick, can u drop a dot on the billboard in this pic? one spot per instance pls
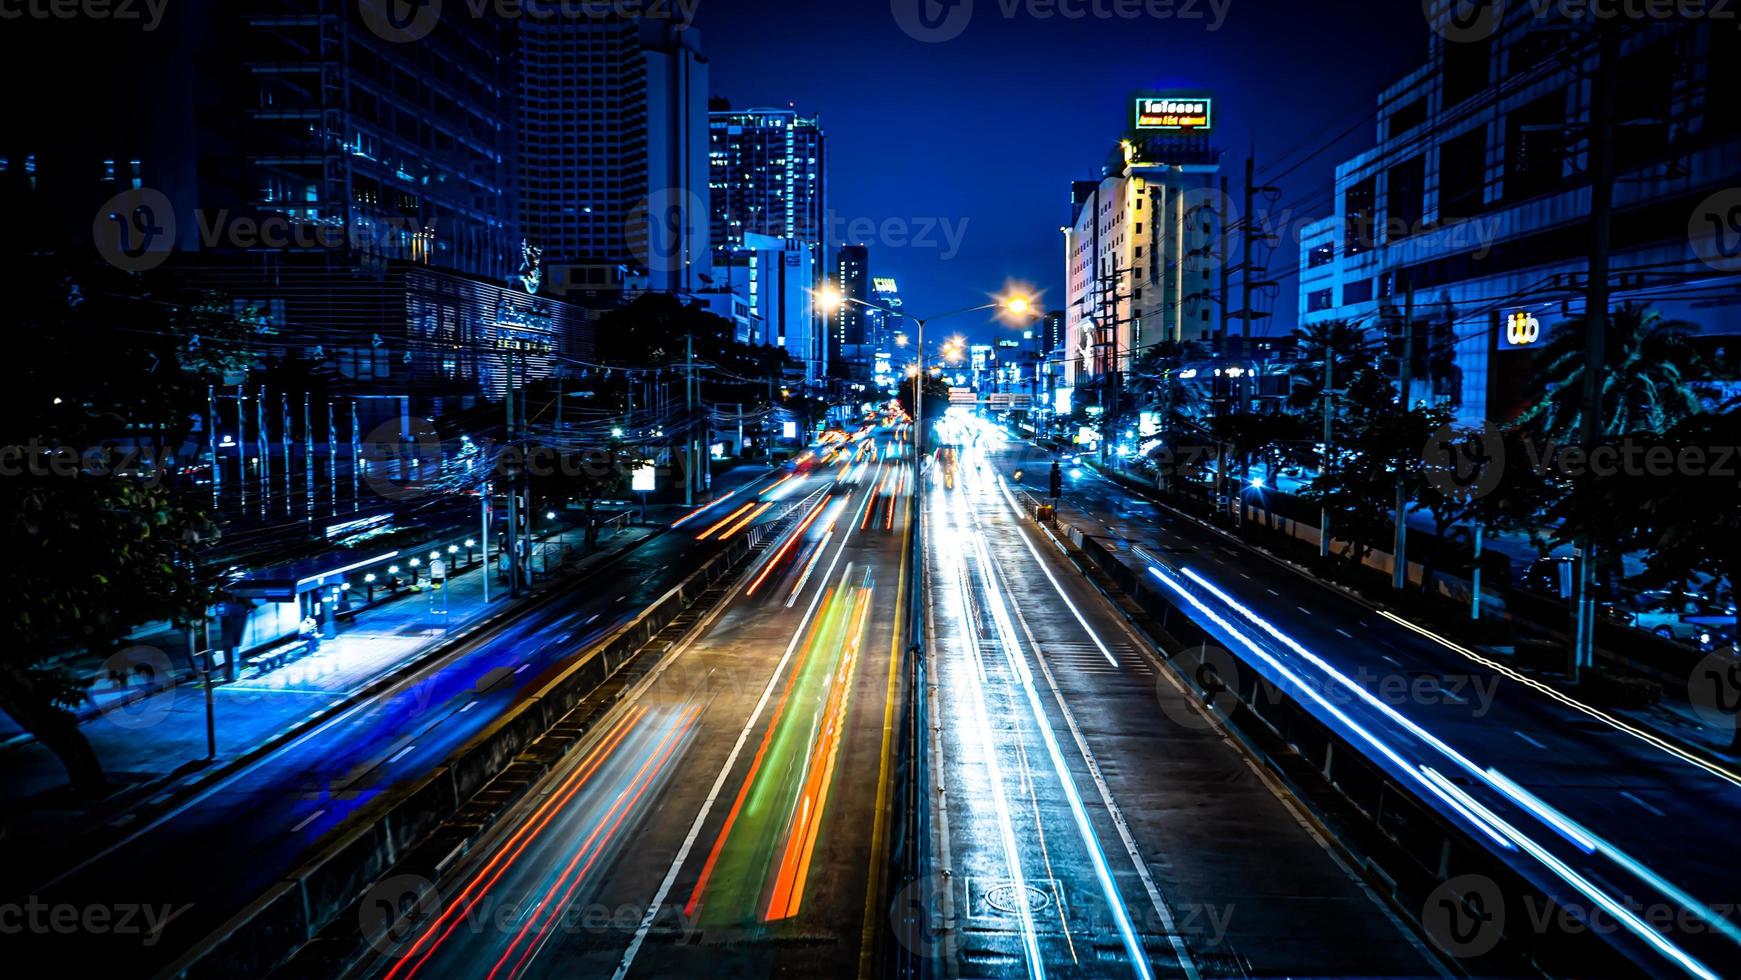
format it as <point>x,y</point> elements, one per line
<point>1175,114</point>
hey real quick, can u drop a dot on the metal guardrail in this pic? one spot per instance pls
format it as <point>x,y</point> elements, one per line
<point>915,908</point>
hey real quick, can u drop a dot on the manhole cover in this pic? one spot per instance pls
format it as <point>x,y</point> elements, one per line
<point>1006,898</point>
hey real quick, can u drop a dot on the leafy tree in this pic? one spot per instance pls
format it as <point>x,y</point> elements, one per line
<point>1375,443</point>
<point>936,395</point>
<point>1352,351</point>
<point>1651,377</point>
<point>98,539</point>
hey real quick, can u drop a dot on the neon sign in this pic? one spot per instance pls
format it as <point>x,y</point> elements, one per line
<point>1175,114</point>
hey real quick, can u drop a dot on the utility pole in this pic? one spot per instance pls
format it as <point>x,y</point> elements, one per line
<point>1602,106</point>
<point>513,481</point>
<point>1329,433</point>
<point>689,452</point>
<point>1399,575</point>
<point>1251,235</point>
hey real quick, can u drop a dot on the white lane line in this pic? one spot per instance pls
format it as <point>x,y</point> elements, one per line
<point>1649,738</point>
<point>591,621</point>
<point>469,705</point>
<point>1526,738</point>
<point>737,748</point>
<point>1274,593</point>
<point>1345,632</point>
<point>1245,575</point>
<point>1393,662</point>
<point>1016,660</point>
<point>1304,610</point>
<point>522,668</point>
<point>1142,869</point>
<point>1641,803</point>
<point>306,821</point>
<point>402,753</point>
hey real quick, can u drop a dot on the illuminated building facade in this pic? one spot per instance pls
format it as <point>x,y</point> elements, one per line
<point>1477,195</point>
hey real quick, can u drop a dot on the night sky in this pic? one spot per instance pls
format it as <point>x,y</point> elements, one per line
<point>982,133</point>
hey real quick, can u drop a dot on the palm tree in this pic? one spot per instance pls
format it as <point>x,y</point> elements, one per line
<point>1650,382</point>
<point>1351,347</point>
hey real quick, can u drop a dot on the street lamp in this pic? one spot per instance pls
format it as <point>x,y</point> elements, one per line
<point>830,300</point>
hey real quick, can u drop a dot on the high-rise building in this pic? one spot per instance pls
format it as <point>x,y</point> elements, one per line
<point>613,153</point>
<point>768,175</point>
<point>887,319</point>
<point>1476,199</point>
<point>1140,248</point>
<point>852,278</point>
<point>777,278</point>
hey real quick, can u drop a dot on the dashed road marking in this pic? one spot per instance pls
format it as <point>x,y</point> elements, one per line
<point>306,821</point>
<point>1641,803</point>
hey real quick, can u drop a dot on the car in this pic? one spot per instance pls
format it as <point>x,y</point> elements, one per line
<point>1675,615</point>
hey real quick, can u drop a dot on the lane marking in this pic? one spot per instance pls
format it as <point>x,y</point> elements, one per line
<point>879,824</point>
<point>1641,803</point>
<point>719,781</point>
<point>306,821</point>
<point>402,753</point>
<point>1531,741</point>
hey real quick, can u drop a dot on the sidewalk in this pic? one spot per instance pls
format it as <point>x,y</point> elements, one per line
<point>143,741</point>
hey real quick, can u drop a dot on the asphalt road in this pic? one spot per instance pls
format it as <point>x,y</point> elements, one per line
<point>1092,821</point>
<point>196,865</point>
<point>1620,828</point>
<point>722,820</point>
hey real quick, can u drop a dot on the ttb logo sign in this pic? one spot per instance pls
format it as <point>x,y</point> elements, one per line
<point>1522,329</point>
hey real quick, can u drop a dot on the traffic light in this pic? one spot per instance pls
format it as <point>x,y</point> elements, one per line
<point>1056,482</point>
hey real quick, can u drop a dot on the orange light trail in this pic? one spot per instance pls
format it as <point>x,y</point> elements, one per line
<point>786,547</point>
<point>777,483</point>
<point>740,525</point>
<point>726,520</point>
<point>788,892</point>
<point>755,764</point>
<point>871,509</point>
<point>703,510</point>
<point>621,807</point>
<point>515,846</point>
